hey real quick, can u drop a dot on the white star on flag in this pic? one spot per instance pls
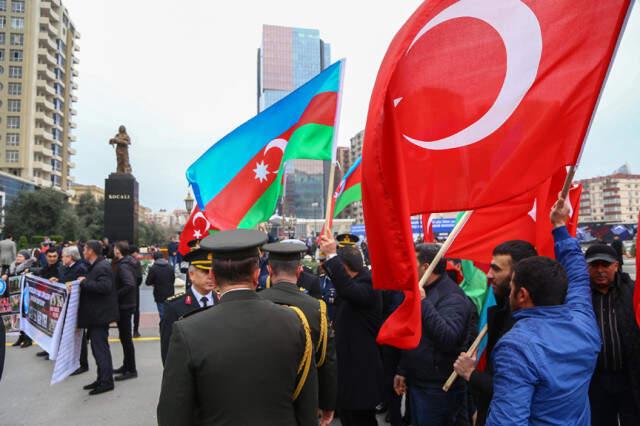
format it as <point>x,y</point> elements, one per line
<point>534,210</point>
<point>261,171</point>
<point>197,234</point>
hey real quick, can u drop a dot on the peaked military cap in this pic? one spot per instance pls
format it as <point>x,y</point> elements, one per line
<point>347,240</point>
<point>285,250</point>
<point>199,258</point>
<point>237,244</point>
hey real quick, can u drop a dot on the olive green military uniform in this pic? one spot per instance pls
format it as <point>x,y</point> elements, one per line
<point>245,361</point>
<point>285,293</point>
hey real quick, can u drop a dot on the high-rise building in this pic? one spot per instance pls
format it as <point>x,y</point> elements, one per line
<point>288,58</point>
<point>613,199</point>
<point>356,212</point>
<point>38,44</point>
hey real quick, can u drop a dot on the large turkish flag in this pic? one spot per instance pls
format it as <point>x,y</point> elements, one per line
<point>475,103</point>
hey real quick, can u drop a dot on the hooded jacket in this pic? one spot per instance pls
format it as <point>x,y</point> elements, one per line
<point>161,276</point>
<point>124,272</point>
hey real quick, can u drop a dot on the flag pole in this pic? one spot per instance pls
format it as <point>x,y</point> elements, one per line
<point>443,250</point>
<point>474,346</point>
<point>567,182</point>
<point>330,190</point>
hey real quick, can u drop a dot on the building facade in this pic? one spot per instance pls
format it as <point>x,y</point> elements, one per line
<point>96,192</point>
<point>288,58</point>
<point>38,47</point>
<point>613,199</point>
<point>355,210</point>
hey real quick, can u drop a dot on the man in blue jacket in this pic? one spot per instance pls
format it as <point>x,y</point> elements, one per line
<point>543,366</point>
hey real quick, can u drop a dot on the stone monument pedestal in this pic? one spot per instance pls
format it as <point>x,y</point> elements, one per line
<point>121,208</point>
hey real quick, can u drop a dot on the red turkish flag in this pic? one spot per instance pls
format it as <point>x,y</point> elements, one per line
<point>196,228</point>
<point>525,217</point>
<point>427,228</point>
<point>475,103</point>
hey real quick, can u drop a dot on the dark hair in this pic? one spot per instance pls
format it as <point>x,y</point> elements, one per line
<point>95,246</point>
<point>123,247</point>
<point>52,249</point>
<point>352,258</point>
<point>517,249</point>
<point>134,249</point>
<point>289,267</point>
<point>234,271</point>
<point>157,255</point>
<point>544,278</point>
<point>426,254</point>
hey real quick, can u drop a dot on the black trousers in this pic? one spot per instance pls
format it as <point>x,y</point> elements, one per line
<point>358,417</point>
<point>136,314</point>
<point>124,329</point>
<point>84,356</point>
<point>390,360</point>
<point>99,337</point>
<point>611,398</point>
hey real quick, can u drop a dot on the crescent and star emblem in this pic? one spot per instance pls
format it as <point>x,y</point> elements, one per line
<point>262,169</point>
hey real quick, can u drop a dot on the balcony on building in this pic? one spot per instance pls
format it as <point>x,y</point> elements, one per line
<point>41,132</point>
<point>71,151</point>
<point>72,138</point>
<point>46,40</point>
<point>42,117</point>
<point>44,53</point>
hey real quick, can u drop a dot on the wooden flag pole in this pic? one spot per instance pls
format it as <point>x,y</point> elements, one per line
<point>443,250</point>
<point>327,219</point>
<point>474,346</point>
<point>567,182</point>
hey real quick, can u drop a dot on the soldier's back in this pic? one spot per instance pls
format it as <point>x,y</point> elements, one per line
<point>241,358</point>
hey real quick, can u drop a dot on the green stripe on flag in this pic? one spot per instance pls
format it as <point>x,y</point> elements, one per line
<point>310,142</point>
<point>263,209</point>
<point>349,196</point>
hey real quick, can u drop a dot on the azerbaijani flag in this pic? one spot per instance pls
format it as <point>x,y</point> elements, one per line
<point>238,180</point>
<point>349,191</point>
<point>490,301</point>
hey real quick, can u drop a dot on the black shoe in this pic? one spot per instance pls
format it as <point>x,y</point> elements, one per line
<point>91,386</point>
<point>136,334</point>
<point>382,408</point>
<point>126,376</point>
<point>18,342</point>
<point>42,353</point>
<point>26,343</point>
<point>120,370</point>
<point>102,388</point>
<point>80,371</point>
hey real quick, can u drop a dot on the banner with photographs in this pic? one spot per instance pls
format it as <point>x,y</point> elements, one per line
<point>41,308</point>
<point>10,292</point>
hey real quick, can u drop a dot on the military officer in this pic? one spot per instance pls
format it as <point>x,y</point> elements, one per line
<point>200,295</point>
<point>285,268</point>
<point>247,361</point>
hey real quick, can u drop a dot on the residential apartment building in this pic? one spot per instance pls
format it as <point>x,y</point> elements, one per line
<point>38,47</point>
<point>613,199</point>
<point>355,210</point>
<point>95,191</point>
<point>288,58</point>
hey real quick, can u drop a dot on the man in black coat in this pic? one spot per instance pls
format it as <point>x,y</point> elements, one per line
<point>161,277</point>
<point>358,320</point>
<point>446,319</point>
<point>124,272</point>
<point>73,268</point>
<point>98,308</point>
<point>51,271</point>
<point>614,393</point>
<point>246,361</point>
<point>134,252</point>
<point>499,322</point>
<point>284,269</point>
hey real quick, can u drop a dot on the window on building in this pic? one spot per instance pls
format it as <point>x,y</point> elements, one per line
<point>12,156</point>
<point>16,56</point>
<point>1,54</point>
<point>3,21</point>
<point>14,105</point>
<point>13,122</point>
<point>2,38</point>
<point>13,139</point>
<point>17,6</point>
<point>3,5</point>
<point>17,39</point>
<point>15,71</point>
<point>17,23</point>
<point>57,134</point>
<point>15,89</point>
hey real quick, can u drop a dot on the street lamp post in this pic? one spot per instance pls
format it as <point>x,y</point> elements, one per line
<point>188,202</point>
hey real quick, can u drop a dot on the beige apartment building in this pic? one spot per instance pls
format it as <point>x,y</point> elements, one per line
<point>613,199</point>
<point>38,44</point>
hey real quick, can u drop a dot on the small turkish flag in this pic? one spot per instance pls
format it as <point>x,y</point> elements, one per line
<point>196,228</point>
<point>427,228</point>
<point>476,102</point>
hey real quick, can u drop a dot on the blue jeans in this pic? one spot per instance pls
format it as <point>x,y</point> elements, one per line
<point>431,406</point>
<point>160,309</point>
<point>173,260</point>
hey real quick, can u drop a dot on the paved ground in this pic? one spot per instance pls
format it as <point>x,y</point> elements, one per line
<point>26,398</point>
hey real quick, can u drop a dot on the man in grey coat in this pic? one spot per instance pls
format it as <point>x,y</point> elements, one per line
<point>7,252</point>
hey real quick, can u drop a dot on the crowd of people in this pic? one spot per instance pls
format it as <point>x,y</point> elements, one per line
<point>262,335</point>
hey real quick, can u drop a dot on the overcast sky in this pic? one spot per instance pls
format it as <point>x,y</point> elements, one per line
<point>180,75</point>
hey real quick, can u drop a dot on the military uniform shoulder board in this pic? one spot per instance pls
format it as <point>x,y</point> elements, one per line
<point>188,314</point>
<point>175,296</point>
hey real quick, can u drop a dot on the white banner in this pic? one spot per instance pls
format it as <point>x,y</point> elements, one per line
<point>68,356</point>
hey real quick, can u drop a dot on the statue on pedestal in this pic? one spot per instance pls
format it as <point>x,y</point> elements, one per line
<point>122,141</point>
